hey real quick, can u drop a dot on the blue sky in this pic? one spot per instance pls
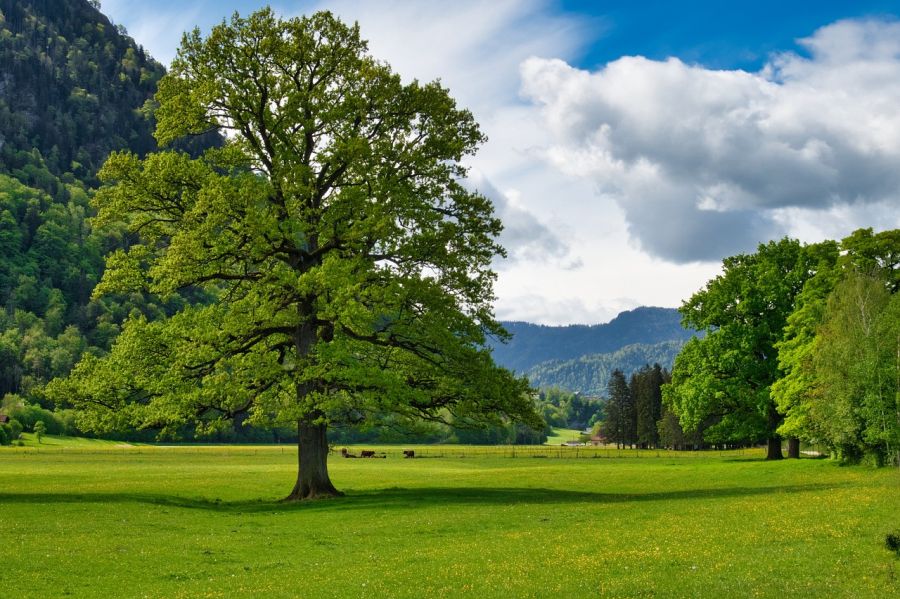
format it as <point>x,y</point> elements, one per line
<point>633,145</point>
<point>716,34</point>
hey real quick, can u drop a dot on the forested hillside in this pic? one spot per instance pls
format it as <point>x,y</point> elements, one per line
<point>72,88</point>
<point>590,374</point>
<point>533,344</point>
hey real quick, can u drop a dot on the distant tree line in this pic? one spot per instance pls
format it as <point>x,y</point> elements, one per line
<point>567,409</point>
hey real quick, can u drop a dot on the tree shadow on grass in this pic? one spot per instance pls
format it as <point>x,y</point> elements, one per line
<point>415,498</point>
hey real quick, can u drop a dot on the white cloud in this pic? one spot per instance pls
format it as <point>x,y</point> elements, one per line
<point>524,236</point>
<point>473,47</point>
<point>540,309</point>
<point>707,163</point>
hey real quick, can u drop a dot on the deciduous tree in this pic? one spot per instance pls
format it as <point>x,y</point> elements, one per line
<point>728,373</point>
<point>350,268</point>
<point>838,355</point>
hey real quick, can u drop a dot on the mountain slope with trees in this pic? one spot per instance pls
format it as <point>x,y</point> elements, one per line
<point>73,88</point>
<point>533,344</point>
<point>590,374</point>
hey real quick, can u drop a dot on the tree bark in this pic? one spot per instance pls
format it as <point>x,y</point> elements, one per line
<point>794,448</point>
<point>773,451</point>
<point>312,476</point>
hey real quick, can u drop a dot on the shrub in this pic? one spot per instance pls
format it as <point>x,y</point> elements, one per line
<point>892,541</point>
<point>10,431</point>
<point>30,414</point>
<point>40,429</point>
<point>14,428</point>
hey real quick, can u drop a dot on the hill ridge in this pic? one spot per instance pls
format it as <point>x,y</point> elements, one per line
<point>534,344</point>
<point>589,374</point>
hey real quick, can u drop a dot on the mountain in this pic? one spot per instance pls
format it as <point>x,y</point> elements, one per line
<point>73,88</point>
<point>534,344</point>
<point>590,374</point>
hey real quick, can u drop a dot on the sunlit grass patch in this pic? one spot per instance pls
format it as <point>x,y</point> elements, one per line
<point>189,522</point>
<point>561,435</point>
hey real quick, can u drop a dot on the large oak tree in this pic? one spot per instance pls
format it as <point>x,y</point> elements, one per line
<point>348,267</point>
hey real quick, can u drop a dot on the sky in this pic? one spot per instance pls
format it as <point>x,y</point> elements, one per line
<point>634,145</point>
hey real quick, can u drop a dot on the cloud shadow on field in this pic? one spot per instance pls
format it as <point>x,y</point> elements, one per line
<point>412,498</point>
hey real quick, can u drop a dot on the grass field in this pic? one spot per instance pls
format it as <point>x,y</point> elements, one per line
<point>206,522</point>
<point>53,442</point>
<point>561,435</point>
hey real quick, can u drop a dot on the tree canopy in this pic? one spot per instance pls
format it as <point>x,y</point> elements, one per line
<point>728,373</point>
<point>349,268</point>
<point>840,350</point>
<point>801,341</point>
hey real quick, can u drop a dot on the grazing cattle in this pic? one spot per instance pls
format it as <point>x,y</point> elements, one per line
<point>367,453</point>
<point>346,453</point>
<point>409,453</point>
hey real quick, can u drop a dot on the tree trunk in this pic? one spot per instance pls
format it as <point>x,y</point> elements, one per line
<point>773,451</point>
<point>794,448</point>
<point>312,477</point>
<point>774,441</point>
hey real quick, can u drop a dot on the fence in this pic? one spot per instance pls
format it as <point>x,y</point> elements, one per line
<point>396,451</point>
<point>544,451</point>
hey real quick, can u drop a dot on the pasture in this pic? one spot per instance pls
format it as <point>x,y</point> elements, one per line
<point>145,521</point>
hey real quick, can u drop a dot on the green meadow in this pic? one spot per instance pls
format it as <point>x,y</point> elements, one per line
<point>81,520</point>
<point>561,435</point>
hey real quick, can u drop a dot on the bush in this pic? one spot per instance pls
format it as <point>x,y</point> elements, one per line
<point>14,429</point>
<point>10,431</point>
<point>892,541</point>
<point>30,414</point>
